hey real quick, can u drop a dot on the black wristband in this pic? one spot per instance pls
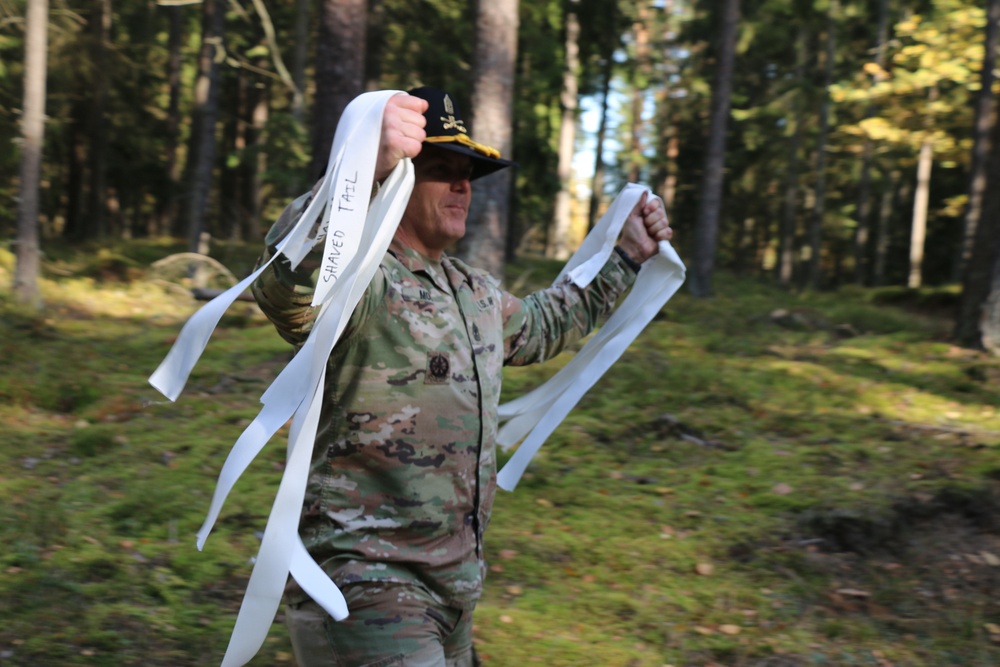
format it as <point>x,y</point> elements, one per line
<point>629,262</point>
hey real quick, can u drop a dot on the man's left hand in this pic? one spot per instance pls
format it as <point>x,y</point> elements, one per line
<point>645,227</point>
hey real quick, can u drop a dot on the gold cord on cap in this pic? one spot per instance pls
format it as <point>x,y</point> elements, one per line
<point>465,141</point>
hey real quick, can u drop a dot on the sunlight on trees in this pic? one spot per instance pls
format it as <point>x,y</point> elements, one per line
<point>815,180</point>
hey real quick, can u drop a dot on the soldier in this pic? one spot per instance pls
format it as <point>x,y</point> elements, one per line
<point>404,471</point>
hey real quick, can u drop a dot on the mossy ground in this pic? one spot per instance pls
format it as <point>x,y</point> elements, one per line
<point>744,488</point>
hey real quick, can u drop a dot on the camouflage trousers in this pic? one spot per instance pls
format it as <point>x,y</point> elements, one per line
<point>390,625</point>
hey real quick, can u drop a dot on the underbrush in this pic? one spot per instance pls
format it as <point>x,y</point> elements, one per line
<point>763,479</point>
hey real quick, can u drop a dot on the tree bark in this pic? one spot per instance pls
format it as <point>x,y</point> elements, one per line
<point>670,134</point>
<point>978,319</point>
<point>862,232</point>
<point>789,212</point>
<point>299,54</point>
<point>376,44</point>
<point>707,229</point>
<point>76,159</point>
<point>559,239</point>
<point>26,272</point>
<point>597,185</point>
<point>169,216</point>
<point>254,162</point>
<point>863,211</point>
<point>991,315</point>
<point>96,220</point>
<point>640,82</point>
<point>229,193</point>
<point>202,144</point>
<point>492,122</point>
<point>921,197</point>
<point>981,138</point>
<point>884,218</point>
<point>819,212</point>
<point>340,72</point>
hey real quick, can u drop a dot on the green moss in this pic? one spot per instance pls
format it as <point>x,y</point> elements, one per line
<point>796,462</point>
<point>89,442</point>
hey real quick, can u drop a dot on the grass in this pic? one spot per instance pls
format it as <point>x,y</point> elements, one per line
<point>746,487</point>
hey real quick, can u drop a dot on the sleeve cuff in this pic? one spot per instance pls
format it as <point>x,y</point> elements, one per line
<point>628,260</point>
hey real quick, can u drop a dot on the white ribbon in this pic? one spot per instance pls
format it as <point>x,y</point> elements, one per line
<point>281,549</point>
<point>537,413</point>
<point>357,238</point>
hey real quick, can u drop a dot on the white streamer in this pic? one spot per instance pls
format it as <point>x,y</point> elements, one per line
<point>357,236</point>
<point>538,413</point>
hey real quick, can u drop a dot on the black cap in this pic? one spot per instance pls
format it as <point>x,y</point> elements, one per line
<point>446,129</point>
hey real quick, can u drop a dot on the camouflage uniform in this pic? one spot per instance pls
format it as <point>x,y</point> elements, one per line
<point>404,470</point>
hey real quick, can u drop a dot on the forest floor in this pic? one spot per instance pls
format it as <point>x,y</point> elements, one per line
<point>764,479</point>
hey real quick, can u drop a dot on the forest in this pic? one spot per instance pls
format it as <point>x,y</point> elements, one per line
<point>812,143</point>
<point>794,465</point>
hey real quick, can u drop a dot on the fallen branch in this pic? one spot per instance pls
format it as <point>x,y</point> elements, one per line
<point>668,426</point>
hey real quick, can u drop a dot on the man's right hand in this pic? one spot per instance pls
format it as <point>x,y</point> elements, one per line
<point>644,228</point>
<point>402,133</point>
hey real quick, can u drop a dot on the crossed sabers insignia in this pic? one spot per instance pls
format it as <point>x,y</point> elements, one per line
<point>451,122</point>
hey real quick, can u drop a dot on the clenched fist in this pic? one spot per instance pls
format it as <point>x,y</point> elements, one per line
<point>645,227</point>
<point>402,133</point>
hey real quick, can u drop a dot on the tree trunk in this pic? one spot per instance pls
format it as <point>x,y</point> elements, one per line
<point>863,230</point>
<point>819,212</point>
<point>559,239</point>
<point>673,150</point>
<point>640,83</point>
<point>981,138</point>
<point>254,162</point>
<point>300,52</point>
<point>340,72</point>
<point>982,274</point>
<point>229,193</point>
<point>201,146</point>
<point>492,122</point>
<point>76,159</point>
<point>137,222</point>
<point>709,207</point>
<point>920,199</point>
<point>670,135</point>
<point>169,219</point>
<point>96,220</point>
<point>789,213</point>
<point>26,272</point>
<point>299,55</point>
<point>884,220</point>
<point>597,185</point>
<point>746,245</point>
<point>768,234</point>
<point>991,315</point>
<point>376,44</point>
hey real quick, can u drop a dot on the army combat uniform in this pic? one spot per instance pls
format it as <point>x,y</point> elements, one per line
<point>404,468</point>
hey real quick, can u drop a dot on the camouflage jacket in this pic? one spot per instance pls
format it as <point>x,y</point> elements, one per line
<point>404,469</point>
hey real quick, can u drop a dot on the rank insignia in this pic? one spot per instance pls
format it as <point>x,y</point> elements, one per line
<point>450,122</point>
<point>438,368</point>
